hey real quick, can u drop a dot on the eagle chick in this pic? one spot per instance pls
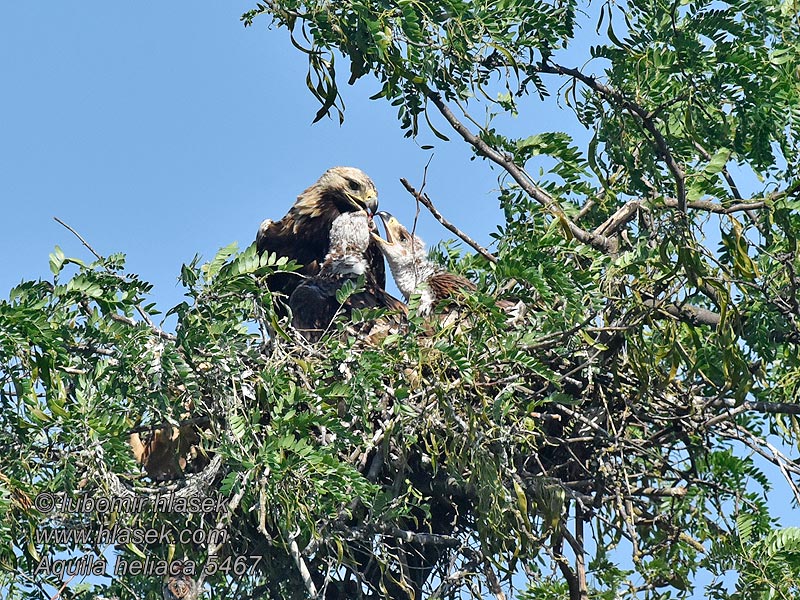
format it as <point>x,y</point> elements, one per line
<point>415,274</point>
<point>314,303</point>
<point>412,271</point>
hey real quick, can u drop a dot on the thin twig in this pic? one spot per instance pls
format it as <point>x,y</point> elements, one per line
<point>426,201</point>
<point>114,316</point>
<point>421,191</point>
<point>757,445</point>
<point>80,237</point>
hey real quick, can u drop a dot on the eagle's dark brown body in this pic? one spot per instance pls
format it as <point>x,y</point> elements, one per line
<point>302,234</point>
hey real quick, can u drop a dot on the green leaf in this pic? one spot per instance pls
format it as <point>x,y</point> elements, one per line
<point>213,268</point>
<point>718,161</point>
<point>56,261</point>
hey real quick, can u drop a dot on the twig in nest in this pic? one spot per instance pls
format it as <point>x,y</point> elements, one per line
<point>423,199</point>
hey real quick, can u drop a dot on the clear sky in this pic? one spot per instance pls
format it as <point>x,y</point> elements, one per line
<point>167,129</point>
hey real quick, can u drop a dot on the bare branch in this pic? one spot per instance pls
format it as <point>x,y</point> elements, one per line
<point>576,591</point>
<point>432,539</point>
<point>619,219</point>
<point>128,321</point>
<point>426,202</point>
<point>80,237</point>
<point>305,574</point>
<point>688,313</point>
<point>769,452</point>
<point>775,408</point>
<point>719,208</point>
<point>580,553</point>
<point>670,492</point>
<point>491,579</point>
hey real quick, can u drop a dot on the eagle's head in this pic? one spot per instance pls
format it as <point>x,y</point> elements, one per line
<point>339,190</point>
<point>405,253</point>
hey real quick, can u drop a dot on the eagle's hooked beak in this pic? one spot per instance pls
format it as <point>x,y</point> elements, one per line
<point>368,203</point>
<point>371,202</point>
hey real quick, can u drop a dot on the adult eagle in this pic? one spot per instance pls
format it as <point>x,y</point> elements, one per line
<point>303,234</point>
<point>314,302</point>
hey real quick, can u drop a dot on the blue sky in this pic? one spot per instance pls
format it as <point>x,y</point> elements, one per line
<point>165,130</point>
<point>169,129</point>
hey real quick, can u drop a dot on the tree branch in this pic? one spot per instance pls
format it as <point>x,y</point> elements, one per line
<point>694,315</point>
<point>775,456</point>
<point>718,208</point>
<point>619,219</point>
<point>305,574</point>
<point>600,243</point>
<point>155,330</point>
<point>563,564</point>
<point>774,408</point>
<point>366,533</point>
<point>578,548</point>
<point>647,118</point>
<point>423,199</point>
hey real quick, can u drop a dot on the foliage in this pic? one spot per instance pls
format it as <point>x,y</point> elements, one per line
<point>612,442</point>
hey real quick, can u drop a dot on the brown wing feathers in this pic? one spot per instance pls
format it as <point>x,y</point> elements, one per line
<point>327,231</point>
<point>445,285</point>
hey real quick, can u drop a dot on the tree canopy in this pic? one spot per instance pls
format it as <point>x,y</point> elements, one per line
<point>619,438</point>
